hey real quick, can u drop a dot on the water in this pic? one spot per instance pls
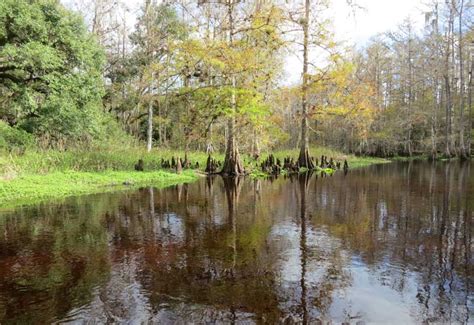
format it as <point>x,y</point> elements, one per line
<point>387,243</point>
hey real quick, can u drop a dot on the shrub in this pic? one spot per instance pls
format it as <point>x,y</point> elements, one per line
<point>14,139</point>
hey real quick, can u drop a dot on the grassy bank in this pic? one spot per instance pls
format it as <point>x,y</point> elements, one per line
<point>45,162</point>
<point>97,160</point>
<point>39,175</point>
<point>34,188</point>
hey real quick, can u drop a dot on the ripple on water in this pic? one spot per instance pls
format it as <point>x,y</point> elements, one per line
<point>365,247</point>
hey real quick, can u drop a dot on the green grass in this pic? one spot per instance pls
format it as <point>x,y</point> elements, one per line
<point>39,175</point>
<point>44,162</point>
<point>412,158</point>
<point>358,162</point>
<point>34,188</point>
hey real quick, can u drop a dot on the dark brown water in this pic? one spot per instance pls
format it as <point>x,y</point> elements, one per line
<point>386,243</point>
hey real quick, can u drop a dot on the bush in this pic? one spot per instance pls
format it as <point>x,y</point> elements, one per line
<point>14,139</point>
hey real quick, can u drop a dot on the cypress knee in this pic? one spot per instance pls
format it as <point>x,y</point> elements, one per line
<point>139,166</point>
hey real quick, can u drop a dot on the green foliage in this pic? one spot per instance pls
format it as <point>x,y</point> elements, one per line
<point>159,21</point>
<point>250,104</point>
<point>50,70</point>
<point>258,174</point>
<point>14,139</point>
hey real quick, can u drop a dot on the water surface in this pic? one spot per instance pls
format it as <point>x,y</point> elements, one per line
<point>390,242</point>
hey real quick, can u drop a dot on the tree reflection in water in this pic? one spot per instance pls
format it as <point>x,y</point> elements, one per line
<point>303,181</point>
<point>390,242</point>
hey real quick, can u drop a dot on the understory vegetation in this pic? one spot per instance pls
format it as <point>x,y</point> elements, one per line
<point>123,159</point>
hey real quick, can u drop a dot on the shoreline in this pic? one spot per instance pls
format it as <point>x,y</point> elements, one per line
<point>31,189</point>
<point>42,176</point>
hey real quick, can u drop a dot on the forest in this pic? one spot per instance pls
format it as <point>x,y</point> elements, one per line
<point>208,76</point>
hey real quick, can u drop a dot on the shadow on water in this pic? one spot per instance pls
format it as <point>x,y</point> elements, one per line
<point>389,242</point>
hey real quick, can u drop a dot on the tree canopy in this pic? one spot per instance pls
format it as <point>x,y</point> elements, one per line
<point>50,71</point>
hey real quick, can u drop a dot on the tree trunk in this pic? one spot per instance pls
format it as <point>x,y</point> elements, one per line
<point>232,163</point>
<point>437,95</point>
<point>462,147</point>
<point>255,147</point>
<point>433,140</point>
<point>447,151</point>
<point>160,124</point>
<point>409,149</point>
<point>304,159</point>
<point>469,105</point>
<point>410,92</point>
<point>149,141</point>
<point>452,133</point>
<point>447,86</point>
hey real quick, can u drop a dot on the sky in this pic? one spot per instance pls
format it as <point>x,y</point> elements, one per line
<point>375,17</point>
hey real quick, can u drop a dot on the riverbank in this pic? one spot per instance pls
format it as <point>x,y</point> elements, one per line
<point>34,188</point>
<point>40,175</point>
<point>317,152</point>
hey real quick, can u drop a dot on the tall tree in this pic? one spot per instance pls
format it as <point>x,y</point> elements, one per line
<point>315,34</point>
<point>447,81</point>
<point>469,100</point>
<point>232,162</point>
<point>149,52</point>
<point>304,159</point>
<point>462,146</point>
<point>158,30</point>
